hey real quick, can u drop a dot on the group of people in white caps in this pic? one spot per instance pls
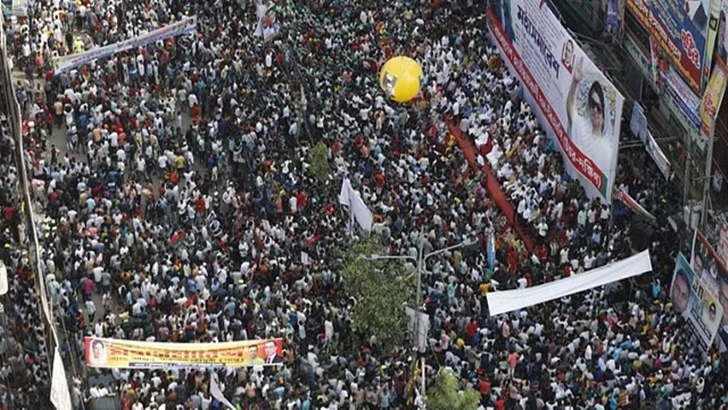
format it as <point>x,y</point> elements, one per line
<point>180,199</point>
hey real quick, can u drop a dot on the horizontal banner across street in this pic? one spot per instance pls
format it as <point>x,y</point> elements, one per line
<point>129,354</point>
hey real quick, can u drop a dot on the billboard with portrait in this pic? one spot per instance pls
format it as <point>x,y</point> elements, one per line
<point>696,301</point>
<point>130,354</point>
<point>707,264</point>
<point>581,108</point>
<point>680,28</point>
<point>721,32</point>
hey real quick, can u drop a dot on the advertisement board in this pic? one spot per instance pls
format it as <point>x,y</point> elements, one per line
<point>712,99</point>
<point>583,110</point>
<point>696,302</point>
<point>707,265</point>
<point>130,354</point>
<point>680,29</point>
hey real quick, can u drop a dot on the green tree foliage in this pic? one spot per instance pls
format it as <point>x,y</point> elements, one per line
<point>444,393</point>
<point>380,292</point>
<point>318,160</point>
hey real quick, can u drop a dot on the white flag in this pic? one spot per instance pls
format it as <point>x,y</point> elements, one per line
<point>350,197</point>
<point>217,393</point>
<point>60,395</point>
<point>3,278</point>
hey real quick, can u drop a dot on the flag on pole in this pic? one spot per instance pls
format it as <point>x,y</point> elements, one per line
<point>217,393</point>
<point>351,198</point>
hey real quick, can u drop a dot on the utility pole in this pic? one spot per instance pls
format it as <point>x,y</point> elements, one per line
<point>420,260</point>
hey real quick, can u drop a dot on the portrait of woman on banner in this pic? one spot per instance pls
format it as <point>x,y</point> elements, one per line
<point>590,110</point>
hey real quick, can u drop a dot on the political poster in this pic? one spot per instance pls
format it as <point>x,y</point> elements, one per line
<point>67,63</point>
<point>680,28</point>
<point>720,40</point>
<point>723,243</point>
<point>582,108</point>
<point>130,354</point>
<point>707,264</point>
<point>696,301</point>
<point>712,99</point>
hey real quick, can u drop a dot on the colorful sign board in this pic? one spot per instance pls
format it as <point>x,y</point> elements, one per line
<point>712,99</point>
<point>130,354</point>
<point>680,28</point>
<point>581,107</point>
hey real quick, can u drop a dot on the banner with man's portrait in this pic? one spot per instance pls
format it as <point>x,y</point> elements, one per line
<point>707,264</point>
<point>130,354</point>
<point>580,106</point>
<point>696,301</point>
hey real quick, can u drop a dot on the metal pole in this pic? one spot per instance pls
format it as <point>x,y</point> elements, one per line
<point>418,306</point>
<point>418,294</point>
<point>686,180</point>
<point>708,174</point>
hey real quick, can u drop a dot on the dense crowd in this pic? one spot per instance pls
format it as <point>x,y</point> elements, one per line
<point>24,359</point>
<point>182,198</point>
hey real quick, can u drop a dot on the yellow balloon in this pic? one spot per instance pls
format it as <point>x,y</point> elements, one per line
<point>401,78</point>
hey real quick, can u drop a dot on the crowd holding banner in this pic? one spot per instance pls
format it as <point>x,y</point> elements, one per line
<point>582,108</point>
<point>128,354</point>
<point>235,255</point>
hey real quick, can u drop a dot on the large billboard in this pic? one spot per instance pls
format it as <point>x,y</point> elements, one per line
<point>130,354</point>
<point>583,110</point>
<point>709,266</point>
<point>696,301</point>
<point>721,33</point>
<point>680,29</point>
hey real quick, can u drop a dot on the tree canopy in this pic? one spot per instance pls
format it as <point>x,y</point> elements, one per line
<point>444,393</point>
<point>318,160</point>
<point>380,292</point>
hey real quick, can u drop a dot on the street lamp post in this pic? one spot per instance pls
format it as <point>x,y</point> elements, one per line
<point>420,264</point>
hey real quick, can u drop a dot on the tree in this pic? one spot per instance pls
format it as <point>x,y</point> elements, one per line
<point>318,160</point>
<point>380,292</point>
<point>444,393</point>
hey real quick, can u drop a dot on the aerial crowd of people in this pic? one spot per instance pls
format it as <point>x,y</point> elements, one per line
<point>174,197</point>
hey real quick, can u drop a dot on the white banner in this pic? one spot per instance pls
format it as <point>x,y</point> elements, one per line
<point>510,300</point>
<point>216,393</point>
<point>581,106</point>
<point>350,197</point>
<point>66,63</point>
<point>422,330</point>
<point>60,395</point>
<point>638,126</point>
<point>20,8</point>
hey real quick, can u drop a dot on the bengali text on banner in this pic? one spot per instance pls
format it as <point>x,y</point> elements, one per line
<point>712,99</point>
<point>680,28</point>
<point>129,354</point>
<point>66,63</point>
<point>582,109</point>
